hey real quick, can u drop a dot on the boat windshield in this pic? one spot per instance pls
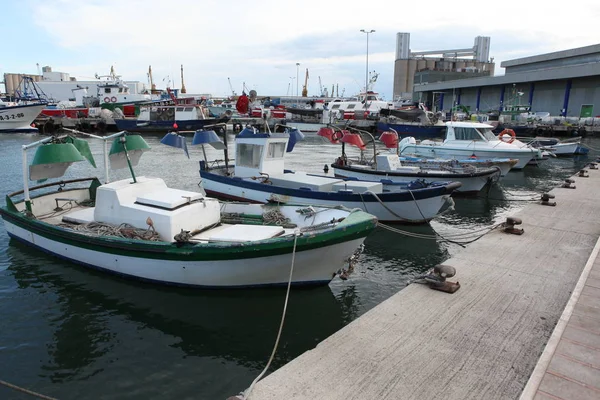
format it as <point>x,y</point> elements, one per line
<point>487,133</point>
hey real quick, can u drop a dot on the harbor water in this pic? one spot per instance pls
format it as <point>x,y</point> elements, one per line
<point>72,333</point>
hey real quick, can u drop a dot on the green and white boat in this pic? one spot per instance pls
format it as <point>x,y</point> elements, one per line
<point>140,228</point>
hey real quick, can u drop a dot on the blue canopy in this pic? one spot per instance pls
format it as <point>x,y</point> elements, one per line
<point>174,140</point>
<point>208,137</point>
<point>295,137</point>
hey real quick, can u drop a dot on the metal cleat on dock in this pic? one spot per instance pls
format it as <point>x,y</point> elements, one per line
<point>583,174</point>
<point>568,184</point>
<point>593,165</point>
<point>509,226</point>
<point>546,200</point>
<point>436,278</point>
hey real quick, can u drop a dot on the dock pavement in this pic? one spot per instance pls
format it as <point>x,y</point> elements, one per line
<point>486,340</point>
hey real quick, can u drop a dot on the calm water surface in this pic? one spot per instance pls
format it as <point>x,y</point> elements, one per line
<point>72,333</point>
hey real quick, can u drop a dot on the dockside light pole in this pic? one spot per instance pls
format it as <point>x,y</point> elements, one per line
<point>367,68</point>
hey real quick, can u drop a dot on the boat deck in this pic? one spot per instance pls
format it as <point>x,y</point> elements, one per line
<point>223,232</point>
<point>484,341</point>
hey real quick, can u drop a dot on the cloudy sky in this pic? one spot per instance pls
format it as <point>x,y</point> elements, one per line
<point>258,43</point>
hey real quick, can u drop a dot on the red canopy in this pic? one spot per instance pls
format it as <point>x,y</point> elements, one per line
<point>354,139</point>
<point>330,134</point>
<point>390,139</point>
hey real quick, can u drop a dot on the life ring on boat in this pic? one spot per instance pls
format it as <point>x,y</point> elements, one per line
<point>113,99</point>
<point>107,99</point>
<point>508,132</point>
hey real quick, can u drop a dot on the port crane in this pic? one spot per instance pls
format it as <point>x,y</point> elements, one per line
<point>233,93</point>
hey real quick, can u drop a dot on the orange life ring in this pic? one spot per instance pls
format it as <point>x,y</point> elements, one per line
<point>107,99</point>
<point>509,132</point>
<point>113,99</point>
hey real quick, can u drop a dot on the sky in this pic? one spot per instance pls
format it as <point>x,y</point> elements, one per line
<point>257,44</point>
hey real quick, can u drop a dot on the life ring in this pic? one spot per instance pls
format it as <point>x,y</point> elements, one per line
<point>509,132</point>
<point>113,99</point>
<point>107,99</point>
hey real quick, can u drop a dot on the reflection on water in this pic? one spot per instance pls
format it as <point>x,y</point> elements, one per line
<point>68,332</point>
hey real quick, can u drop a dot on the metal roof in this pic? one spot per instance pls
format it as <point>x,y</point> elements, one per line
<point>577,71</point>
<point>580,51</point>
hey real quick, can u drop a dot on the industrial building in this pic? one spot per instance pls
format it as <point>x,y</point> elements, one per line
<point>563,83</point>
<point>438,65</point>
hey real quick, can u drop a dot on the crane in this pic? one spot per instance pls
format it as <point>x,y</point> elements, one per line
<point>152,85</point>
<point>305,87</point>
<point>182,84</point>
<point>233,93</point>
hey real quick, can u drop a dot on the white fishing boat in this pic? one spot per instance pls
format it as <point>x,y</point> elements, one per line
<point>471,139</point>
<point>140,228</point>
<point>567,147</point>
<point>259,175</point>
<point>388,168</point>
<point>16,117</point>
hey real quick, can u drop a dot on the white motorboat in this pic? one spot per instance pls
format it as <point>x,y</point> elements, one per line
<point>471,139</point>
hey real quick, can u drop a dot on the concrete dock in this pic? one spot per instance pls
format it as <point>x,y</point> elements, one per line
<point>486,340</point>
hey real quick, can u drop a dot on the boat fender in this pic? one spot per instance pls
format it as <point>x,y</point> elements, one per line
<point>113,99</point>
<point>508,132</point>
<point>107,99</point>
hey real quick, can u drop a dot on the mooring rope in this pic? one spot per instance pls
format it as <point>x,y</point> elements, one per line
<point>27,391</point>
<point>245,394</point>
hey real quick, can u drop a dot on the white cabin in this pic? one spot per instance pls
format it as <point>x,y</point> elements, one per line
<point>150,200</point>
<point>366,102</point>
<point>181,112</point>
<point>260,153</point>
<point>114,90</point>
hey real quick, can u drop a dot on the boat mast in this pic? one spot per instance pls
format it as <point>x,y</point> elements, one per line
<point>182,84</point>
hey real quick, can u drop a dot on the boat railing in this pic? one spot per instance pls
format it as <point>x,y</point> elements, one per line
<point>61,185</point>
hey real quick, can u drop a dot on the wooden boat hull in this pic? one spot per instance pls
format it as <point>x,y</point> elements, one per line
<point>471,183</point>
<point>220,266</point>
<point>19,118</point>
<point>319,252</point>
<point>415,206</point>
<point>436,151</point>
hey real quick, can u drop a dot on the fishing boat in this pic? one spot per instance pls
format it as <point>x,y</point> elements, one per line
<point>163,118</point>
<point>259,175</point>
<point>505,164</point>
<point>471,139</point>
<point>413,121</point>
<point>388,168</point>
<point>568,147</point>
<point>18,117</point>
<point>140,228</point>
